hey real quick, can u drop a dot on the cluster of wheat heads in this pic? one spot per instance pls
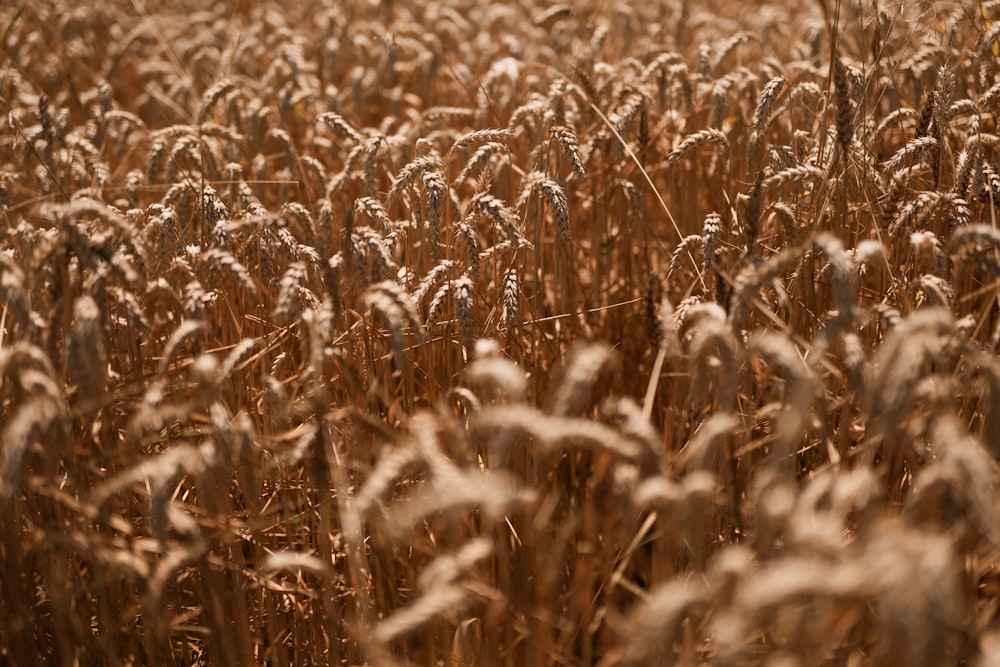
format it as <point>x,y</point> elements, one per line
<point>499,333</point>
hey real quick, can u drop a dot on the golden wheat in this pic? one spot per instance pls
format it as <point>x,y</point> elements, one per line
<point>512,334</point>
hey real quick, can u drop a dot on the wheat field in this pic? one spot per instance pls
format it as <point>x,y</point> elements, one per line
<point>510,333</point>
